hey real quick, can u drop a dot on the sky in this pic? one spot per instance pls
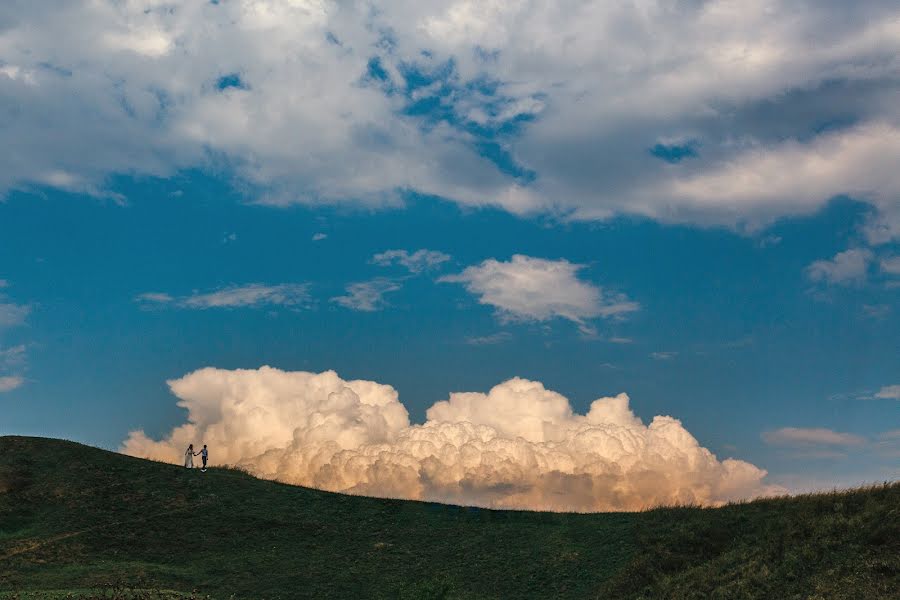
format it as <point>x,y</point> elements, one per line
<point>540,204</point>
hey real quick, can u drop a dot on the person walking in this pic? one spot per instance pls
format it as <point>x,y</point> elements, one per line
<point>204,455</point>
<point>189,457</point>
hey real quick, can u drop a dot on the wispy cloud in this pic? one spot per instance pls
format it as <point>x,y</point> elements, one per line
<point>488,340</point>
<point>417,262</point>
<point>10,382</point>
<point>797,436</point>
<point>318,237</point>
<point>13,314</point>
<point>246,296</point>
<point>876,311</point>
<point>663,355</point>
<point>891,392</point>
<point>536,289</point>
<point>367,296</point>
<point>155,297</point>
<point>12,357</point>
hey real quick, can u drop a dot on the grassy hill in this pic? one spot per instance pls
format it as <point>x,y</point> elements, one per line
<point>78,522</point>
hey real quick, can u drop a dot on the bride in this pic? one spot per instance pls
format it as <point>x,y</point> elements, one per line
<point>189,457</point>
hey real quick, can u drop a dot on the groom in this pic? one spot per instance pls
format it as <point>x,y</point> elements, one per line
<point>204,454</point>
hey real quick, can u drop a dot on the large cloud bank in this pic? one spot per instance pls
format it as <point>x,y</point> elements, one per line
<point>518,446</point>
<point>710,111</point>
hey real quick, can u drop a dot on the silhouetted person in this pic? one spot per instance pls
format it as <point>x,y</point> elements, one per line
<point>204,454</point>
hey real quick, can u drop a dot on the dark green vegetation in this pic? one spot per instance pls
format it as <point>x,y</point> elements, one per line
<point>75,519</point>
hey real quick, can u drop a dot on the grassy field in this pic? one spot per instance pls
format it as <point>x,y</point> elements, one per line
<point>78,522</point>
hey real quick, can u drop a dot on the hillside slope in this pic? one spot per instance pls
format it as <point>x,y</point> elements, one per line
<point>74,517</point>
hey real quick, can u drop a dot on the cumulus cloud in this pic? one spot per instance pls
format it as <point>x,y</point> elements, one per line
<point>420,260</point>
<point>518,446</point>
<point>847,267</point>
<point>798,436</point>
<point>246,296</point>
<point>328,101</point>
<point>889,391</point>
<point>367,296</point>
<point>536,289</point>
<point>10,382</point>
<point>318,237</point>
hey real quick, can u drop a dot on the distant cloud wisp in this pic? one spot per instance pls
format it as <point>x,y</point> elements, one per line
<point>798,436</point>
<point>891,392</point>
<point>10,382</point>
<point>13,314</point>
<point>367,296</point>
<point>246,296</point>
<point>489,340</point>
<point>416,262</point>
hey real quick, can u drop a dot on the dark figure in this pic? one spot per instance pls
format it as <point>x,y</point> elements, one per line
<point>204,454</point>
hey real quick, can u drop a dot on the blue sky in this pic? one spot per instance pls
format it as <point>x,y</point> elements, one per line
<point>683,210</point>
<point>731,337</point>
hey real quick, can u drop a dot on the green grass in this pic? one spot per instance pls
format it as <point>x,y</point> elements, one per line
<point>78,522</point>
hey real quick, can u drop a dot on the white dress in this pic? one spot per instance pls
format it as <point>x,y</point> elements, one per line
<point>189,459</point>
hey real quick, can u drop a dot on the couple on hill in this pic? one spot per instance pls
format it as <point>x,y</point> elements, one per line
<point>190,454</point>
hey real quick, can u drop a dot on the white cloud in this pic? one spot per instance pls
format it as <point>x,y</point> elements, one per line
<point>663,355</point>
<point>418,261</point>
<point>317,237</point>
<point>367,296</point>
<point>245,296</point>
<point>10,382</point>
<point>518,446</point>
<point>847,267</point>
<point>796,436</point>
<point>536,289</point>
<point>132,88</point>
<point>889,391</point>
<point>761,183</point>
